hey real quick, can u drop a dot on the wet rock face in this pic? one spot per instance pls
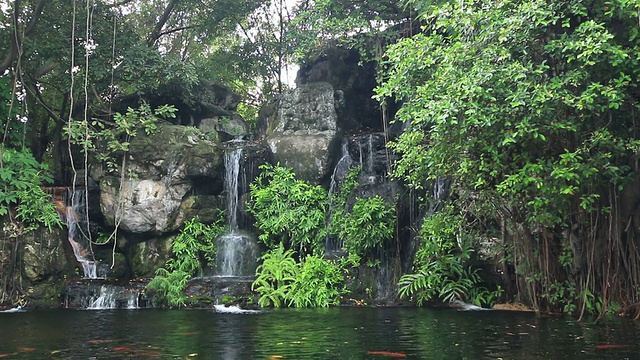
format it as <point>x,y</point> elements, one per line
<point>147,256</point>
<point>162,169</point>
<point>353,80</point>
<point>43,255</point>
<point>100,294</point>
<point>303,127</point>
<point>34,267</point>
<point>207,291</point>
<point>206,105</point>
<point>302,130</point>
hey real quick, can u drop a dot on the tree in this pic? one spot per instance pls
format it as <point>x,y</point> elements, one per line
<point>118,49</point>
<point>359,24</point>
<point>530,107</point>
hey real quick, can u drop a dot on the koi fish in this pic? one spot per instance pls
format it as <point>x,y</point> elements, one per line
<point>122,348</point>
<point>99,341</point>
<point>149,353</point>
<point>22,348</point>
<point>611,346</point>
<point>388,353</point>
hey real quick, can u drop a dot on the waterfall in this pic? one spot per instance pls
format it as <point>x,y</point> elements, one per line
<point>236,254</point>
<point>341,170</point>
<point>366,148</point>
<point>370,157</point>
<point>114,297</point>
<point>340,173</point>
<point>232,156</point>
<point>99,295</point>
<point>79,239</point>
<point>105,300</point>
<point>439,193</point>
<point>236,251</point>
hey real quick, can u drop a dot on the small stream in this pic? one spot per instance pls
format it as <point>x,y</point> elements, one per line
<point>335,333</point>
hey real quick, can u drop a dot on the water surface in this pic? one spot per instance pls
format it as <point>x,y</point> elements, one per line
<point>335,333</point>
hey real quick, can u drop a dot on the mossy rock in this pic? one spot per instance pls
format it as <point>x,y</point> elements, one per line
<point>147,256</point>
<point>46,295</point>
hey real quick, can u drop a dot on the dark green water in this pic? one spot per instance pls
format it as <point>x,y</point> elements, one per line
<point>337,333</point>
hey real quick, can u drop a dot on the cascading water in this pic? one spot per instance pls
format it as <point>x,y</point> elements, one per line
<point>236,255</point>
<point>79,239</point>
<point>366,148</point>
<point>105,299</point>
<point>370,157</point>
<point>96,296</point>
<point>114,297</point>
<point>237,251</point>
<point>94,291</point>
<point>232,156</point>
<point>340,172</point>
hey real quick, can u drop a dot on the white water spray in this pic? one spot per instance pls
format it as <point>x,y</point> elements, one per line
<point>78,237</point>
<point>236,252</point>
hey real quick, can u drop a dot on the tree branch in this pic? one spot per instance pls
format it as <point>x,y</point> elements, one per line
<point>174,30</point>
<point>121,3</point>
<point>155,34</point>
<point>16,39</point>
<point>36,16</point>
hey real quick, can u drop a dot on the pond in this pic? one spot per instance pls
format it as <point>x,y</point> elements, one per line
<point>335,333</point>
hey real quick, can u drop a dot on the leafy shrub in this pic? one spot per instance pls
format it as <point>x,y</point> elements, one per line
<point>442,264</point>
<point>275,276</point>
<point>194,244</point>
<point>312,282</point>
<point>370,222</point>
<point>21,177</point>
<point>319,283</point>
<point>288,210</point>
<point>365,228</point>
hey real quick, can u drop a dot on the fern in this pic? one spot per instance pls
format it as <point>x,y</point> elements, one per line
<point>441,263</point>
<point>288,210</point>
<point>313,282</point>
<point>275,276</point>
<point>196,240</point>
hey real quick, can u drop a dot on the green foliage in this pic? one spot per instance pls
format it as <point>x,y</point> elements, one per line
<point>443,271</point>
<point>505,104</point>
<point>11,114</point>
<point>275,276</point>
<point>114,138</point>
<point>167,287</point>
<point>313,282</point>
<point>366,227</point>
<point>319,24</point>
<point>21,177</point>
<point>194,245</point>
<point>568,299</point>
<point>319,283</point>
<point>530,107</point>
<point>288,210</point>
<point>562,295</point>
<point>369,223</point>
<point>292,214</point>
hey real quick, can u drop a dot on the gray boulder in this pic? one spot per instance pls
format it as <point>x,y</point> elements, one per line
<point>302,130</point>
<point>43,255</point>
<point>161,171</point>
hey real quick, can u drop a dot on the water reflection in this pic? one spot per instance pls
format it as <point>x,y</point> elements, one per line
<point>337,333</point>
